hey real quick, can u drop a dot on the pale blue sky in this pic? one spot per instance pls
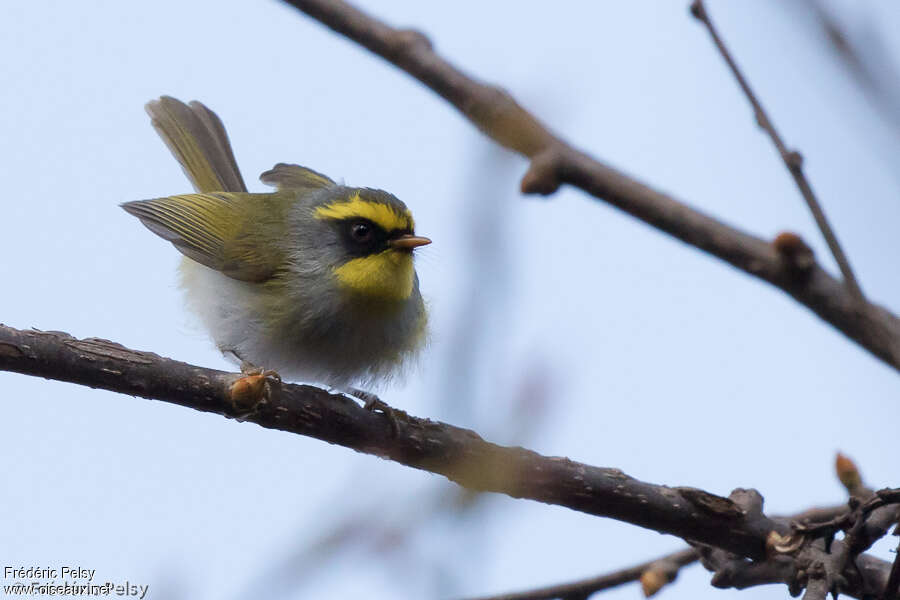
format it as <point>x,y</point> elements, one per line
<point>645,354</point>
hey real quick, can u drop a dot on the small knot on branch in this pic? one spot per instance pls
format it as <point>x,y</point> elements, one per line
<point>797,256</point>
<point>542,176</point>
<point>698,10</point>
<point>412,40</point>
<point>794,161</point>
<point>749,500</point>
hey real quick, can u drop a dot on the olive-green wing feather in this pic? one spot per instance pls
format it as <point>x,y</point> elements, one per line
<point>295,177</point>
<point>197,138</point>
<point>235,233</point>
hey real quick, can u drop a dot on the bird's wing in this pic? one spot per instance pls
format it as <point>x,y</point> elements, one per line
<point>197,138</point>
<point>220,231</point>
<point>295,177</point>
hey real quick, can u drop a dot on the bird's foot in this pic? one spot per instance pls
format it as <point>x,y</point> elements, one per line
<point>252,390</point>
<point>374,403</point>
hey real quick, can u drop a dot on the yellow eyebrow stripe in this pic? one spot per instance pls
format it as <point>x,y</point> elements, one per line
<point>381,214</point>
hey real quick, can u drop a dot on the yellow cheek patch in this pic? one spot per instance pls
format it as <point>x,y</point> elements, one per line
<point>383,215</point>
<point>387,275</point>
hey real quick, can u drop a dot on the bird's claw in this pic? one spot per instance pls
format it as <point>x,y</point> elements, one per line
<point>252,390</point>
<point>373,403</point>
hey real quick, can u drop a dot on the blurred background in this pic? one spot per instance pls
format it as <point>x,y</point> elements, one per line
<point>559,324</point>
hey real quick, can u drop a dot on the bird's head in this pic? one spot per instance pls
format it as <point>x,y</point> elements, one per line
<point>367,238</point>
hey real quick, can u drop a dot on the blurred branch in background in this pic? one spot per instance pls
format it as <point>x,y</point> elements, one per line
<point>866,58</point>
<point>381,532</point>
<point>735,527</point>
<point>793,160</point>
<point>554,162</point>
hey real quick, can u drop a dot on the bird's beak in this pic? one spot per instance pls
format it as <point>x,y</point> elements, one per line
<point>408,242</point>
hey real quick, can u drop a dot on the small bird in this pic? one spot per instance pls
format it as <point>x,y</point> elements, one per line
<point>314,281</point>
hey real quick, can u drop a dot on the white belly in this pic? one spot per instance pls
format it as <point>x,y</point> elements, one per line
<point>327,343</point>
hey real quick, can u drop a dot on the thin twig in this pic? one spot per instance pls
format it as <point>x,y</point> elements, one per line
<point>815,515</point>
<point>555,162</point>
<point>793,160</point>
<point>857,511</point>
<point>881,498</point>
<point>584,588</point>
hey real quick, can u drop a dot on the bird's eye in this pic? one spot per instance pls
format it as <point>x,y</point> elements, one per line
<point>361,232</point>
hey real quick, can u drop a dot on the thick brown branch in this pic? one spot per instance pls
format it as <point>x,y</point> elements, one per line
<point>586,587</point>
<point>735,525</point>
<point>554,162</point>
<point>458,454</point>
<point>793,160</point>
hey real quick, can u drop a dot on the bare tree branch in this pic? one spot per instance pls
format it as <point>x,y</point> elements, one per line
<point>459,454</point>
<point>810,567</point>
<point>821,564</point>
<point>869,516</point>
<point>878,509</point>
<point>867,58</point>
<point>584,588</point>
<point>819,514</point>
<point>736,525</point>
<point>892,587</point>
<point>554,162</point>
<point>729,571</point>
<point>793,160</point>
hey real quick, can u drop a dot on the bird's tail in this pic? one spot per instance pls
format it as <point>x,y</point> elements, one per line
<point>197,138</point>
